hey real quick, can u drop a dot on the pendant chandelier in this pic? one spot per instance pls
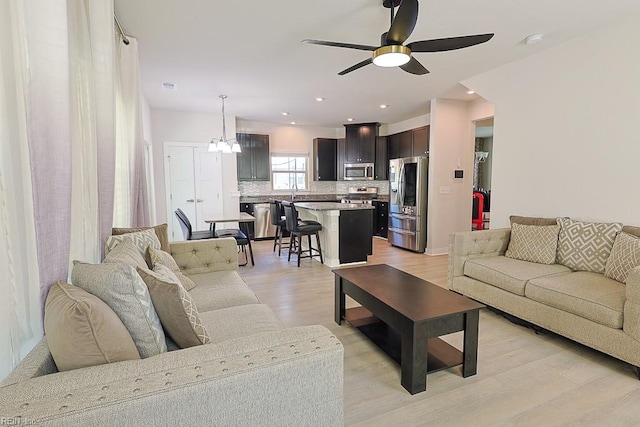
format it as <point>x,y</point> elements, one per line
<point>223,144</point>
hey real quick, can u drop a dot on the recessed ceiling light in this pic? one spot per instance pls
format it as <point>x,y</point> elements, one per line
<point>168,85</point>
<point>319,99</point>
<point>534,38</point>
<point>284,113</point>
<point>293,123</point>
<point>471,92</point>
<point>383,106</point>
<point>350,119</point>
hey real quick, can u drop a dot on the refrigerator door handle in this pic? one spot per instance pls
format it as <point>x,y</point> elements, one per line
<point>400,216</point>
<point>399,231</point>
<point>401,187</point>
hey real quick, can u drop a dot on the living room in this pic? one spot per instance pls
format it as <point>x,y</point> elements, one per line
<point>563,147</point>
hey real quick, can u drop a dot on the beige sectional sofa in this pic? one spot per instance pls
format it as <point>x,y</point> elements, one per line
<point>254,372</point>
<point>585,306</point>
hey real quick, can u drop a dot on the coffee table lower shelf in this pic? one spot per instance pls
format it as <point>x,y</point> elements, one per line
<point>440,354</point>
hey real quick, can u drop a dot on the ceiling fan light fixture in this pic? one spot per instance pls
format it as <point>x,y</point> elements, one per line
<point>391,56</point>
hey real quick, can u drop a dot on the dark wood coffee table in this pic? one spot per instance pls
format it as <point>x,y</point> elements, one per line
<point>404,315</point>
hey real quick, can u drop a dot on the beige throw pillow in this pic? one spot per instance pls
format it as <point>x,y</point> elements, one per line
<point>122,289</point>
<point>625,256</point>
<point>534,243</point>
<point>176,309</point>
<point>83,331</point>
<point>585,246</point>
<point>141,239</point>
<point>530,220</point>
<point>159,257</point>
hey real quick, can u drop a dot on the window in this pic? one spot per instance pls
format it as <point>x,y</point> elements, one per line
<point>289,171</point>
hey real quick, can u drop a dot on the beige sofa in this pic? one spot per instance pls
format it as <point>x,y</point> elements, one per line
<point>586,307</point>
<point>255,371</point>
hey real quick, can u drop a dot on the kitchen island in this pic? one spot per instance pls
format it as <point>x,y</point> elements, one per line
<point>347,230</point>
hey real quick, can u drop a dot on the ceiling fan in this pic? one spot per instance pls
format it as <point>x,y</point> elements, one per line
<point>392,52</point>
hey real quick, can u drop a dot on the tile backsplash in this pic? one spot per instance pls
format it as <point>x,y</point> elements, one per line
<point>261,188</point>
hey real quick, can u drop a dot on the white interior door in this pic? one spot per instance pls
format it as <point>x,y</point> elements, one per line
<point>193,184</point>
<point>208,185</point>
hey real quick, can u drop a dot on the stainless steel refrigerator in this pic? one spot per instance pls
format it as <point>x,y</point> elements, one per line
<point>408,178</point>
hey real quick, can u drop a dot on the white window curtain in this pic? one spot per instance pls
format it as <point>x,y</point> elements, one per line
<point>20,313</point>
<point>131,207</point>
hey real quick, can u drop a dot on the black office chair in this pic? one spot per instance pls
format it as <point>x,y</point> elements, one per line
<point>297,229</point>
<point>277,219</point>
<point>187,230</point>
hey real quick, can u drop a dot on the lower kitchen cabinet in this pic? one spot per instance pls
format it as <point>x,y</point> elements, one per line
<point>381,218</point>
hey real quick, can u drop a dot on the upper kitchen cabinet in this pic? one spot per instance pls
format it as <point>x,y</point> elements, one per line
<point>420,141</point>
<point>253,162</point>
<point>325,154</point>
<point>381,172</point>
<point>360,143</point>
<point>410,143</point>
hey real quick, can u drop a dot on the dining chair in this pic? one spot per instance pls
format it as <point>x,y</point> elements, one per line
<point>297,229</point>
<point>242,240</point>
<point>187,230</point>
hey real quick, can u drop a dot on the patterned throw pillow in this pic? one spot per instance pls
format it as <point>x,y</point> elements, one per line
<point>534,243</point>
<point>585,246</point>
<point>625,256</point>
<point>158,257</point>
<point>122,289</point>
<point>126,252</point>
<point>83,331</point>
<point>176,309</point>
<point>142,239</point>
<point>162,232</point>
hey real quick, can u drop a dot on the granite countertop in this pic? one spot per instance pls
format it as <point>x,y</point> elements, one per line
<point>332,206</point>
<point>303,198</point>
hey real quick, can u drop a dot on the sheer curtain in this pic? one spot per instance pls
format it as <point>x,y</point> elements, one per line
<point>20,314</point>
<point>131,207</point>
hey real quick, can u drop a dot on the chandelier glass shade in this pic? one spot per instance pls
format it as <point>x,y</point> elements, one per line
<point>223,144</point>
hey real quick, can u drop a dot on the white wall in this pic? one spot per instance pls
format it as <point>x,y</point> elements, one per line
<point>416,122</point>
<point>174,126</point>
<point>566,129</point>
<point>289,138</point>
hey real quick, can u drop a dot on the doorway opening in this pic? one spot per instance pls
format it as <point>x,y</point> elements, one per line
<point>482,163</point>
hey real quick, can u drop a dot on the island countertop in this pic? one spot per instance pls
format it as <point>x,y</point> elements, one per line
<point>332,206</point>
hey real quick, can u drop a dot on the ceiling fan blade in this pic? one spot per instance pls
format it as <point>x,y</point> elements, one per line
<point>414,67</point>
<point>355,67</point>
<point>338,44</point>
<point>404,22</point>
<point>451,43</point>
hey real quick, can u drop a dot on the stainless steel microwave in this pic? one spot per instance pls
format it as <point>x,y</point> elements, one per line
<point>358,171</point>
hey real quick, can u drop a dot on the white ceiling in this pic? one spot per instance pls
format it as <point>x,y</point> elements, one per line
<point>251,50</point>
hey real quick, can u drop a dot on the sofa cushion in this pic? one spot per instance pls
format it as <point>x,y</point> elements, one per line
<point>585,294</point>
<point>533,243</point>
<point>625,255</point>
<point>159,257</point>
<point>634,231</point>
<point>507,273</point>
<point>141,239</point>
<point>241,321</point>
<point>585,246</point>
<point>83,331</point>
<point>529,220</point>
<point>120,286</point>
<point>221,289</point>
<point>162,232</point>
<point>175,307</point>
<point>126,252</point>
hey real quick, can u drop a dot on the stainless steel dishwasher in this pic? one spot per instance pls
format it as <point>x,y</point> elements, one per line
<point>263,227</point>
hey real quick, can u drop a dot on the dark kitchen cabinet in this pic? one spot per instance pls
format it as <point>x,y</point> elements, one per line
<point>253,162</point>
<point>341,144</point>
<point>248,208</point>
<point>381,218</point>
<point>325,158</point>
<point>381,172</point>
<point>360,143</point>
<point>420,138</point>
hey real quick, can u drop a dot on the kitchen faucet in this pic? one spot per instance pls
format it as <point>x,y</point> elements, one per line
<point>294,188</point>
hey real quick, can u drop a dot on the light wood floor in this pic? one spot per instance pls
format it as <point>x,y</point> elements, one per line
<point>523,379</point>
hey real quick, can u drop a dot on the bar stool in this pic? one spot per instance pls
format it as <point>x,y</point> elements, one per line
<point>301,228</point>
<point>277,219</point>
